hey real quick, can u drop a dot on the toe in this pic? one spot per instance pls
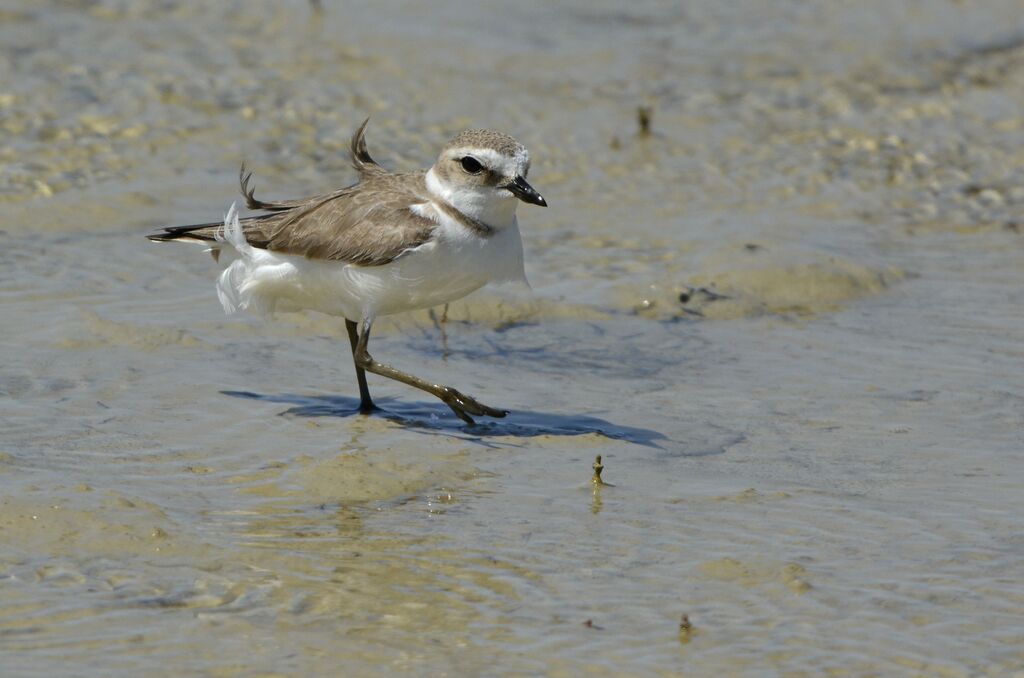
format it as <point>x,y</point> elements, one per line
<point>461,414</point>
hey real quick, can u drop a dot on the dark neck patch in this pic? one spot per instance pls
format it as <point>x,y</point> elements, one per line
<point>475,225</point>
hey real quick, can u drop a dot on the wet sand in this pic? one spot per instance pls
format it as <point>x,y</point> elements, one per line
<point>787,318</point>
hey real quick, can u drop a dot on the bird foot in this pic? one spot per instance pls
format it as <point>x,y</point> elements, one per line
<point>463,406</point>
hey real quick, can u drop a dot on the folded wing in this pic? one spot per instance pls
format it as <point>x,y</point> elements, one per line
<point>369,224</point>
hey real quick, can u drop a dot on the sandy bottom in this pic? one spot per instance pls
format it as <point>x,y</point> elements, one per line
<point>787,318</point>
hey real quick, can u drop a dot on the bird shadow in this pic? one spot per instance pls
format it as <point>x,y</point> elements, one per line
<point>433,419</point>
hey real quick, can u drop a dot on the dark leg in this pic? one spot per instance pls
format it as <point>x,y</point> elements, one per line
<point>365,404</point>
<point>462,405</point>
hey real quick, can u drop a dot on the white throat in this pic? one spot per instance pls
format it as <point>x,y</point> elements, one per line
<point>494,210</point>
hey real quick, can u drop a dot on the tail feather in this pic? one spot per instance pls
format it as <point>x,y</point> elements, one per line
<point>239,284</point>
<point>252,228</point>
<point>206,232</point>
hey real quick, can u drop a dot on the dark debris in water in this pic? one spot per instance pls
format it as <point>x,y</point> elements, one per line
<point>685,629</point>
<point>643,120</point>
<point>701,294</point>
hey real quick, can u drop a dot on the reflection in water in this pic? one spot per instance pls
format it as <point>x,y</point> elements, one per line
<point>596,504</point>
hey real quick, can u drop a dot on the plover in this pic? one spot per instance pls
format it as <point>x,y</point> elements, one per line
<point>387,244</point>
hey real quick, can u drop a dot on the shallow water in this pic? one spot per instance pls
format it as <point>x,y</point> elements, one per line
<point>816,456</point>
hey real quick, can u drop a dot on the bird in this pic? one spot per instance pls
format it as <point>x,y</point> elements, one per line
<point>390,243</point>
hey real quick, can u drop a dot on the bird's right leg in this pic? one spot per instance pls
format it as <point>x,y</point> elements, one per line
<point>462,405</point>
<point>365,404</point>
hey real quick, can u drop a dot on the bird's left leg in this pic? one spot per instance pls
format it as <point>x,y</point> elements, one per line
<point>462,405</point>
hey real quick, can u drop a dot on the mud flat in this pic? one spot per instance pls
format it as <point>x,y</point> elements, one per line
<point>786,314</point>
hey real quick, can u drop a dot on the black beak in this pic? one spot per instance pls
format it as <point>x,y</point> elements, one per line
<point>524,191</point>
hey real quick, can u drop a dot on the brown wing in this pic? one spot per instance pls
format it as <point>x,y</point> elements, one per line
<point>369,224</point>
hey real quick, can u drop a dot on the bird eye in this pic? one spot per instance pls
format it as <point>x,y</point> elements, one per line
<point>471,164</point>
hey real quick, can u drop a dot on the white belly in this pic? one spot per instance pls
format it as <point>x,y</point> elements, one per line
<point>450,266</point>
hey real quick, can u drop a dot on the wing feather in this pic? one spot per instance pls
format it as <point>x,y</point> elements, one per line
<point>370,223</point>
<point>371,227</point>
